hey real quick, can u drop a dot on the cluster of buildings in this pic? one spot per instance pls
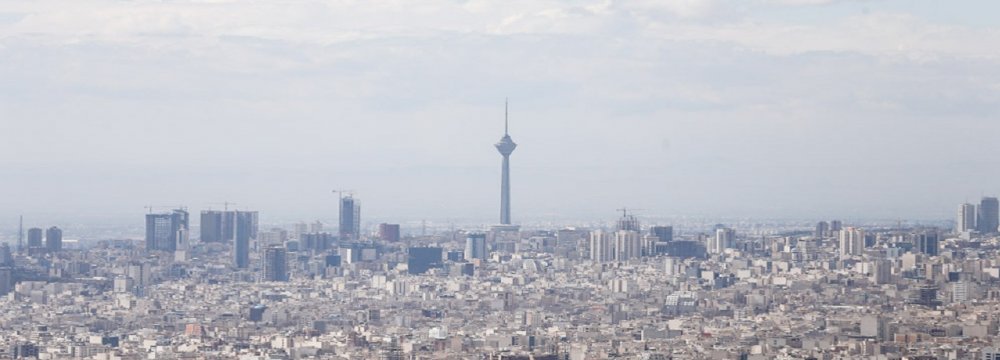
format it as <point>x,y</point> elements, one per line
<point>627,291</point>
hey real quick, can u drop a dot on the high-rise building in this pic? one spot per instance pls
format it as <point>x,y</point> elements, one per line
<point>966,218</point>
<point>822,229</point>
<point>852,241</point>
<point>213,226</point>
<point>725,238</point>
<point>163,230</point>
<point>988,218</point>
<point>219,226</point>
<point>475,246</point>
<point>927,242</point>
<point>618,246</point>
<point>421,259</point>
<point>53,239</point>
<point>35,238</point>
<point>6,257</point>
<point>602,246</point>
<point>628,245</point>
<point>316,241</point>
<point>664,233</point>
<point>388,232</point>
<point>836,225</point>
<point>628,222</point>
<point>244,230</point>
<point>506,147</point>
<point>275,264</point>
<point>350,218</point>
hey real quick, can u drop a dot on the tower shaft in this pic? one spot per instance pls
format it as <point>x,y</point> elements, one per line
<point>505,192</point>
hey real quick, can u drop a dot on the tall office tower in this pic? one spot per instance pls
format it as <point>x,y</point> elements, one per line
<point>966,218</point>
<point>421,259</point>
<point>822,229</point>
<point>852,241</point>
<point>664,233</point>
<point>6,258</point>
<point>212,225</point>
<point>275,264</point>
<point>244,230</point>
<point>836,225</point>
<point>388,232</point>
<point>162,230</point>
<point>34,238</point>
<point>628,245</point>
<point>725,238</point>
<point>988,218</point>
<point>475,246</point>
<point>927,242</point>
<point>219,226</point>
<point>506,147</point>
<point>602,246</point>
<point>350,218</point>
<point>53,239</point>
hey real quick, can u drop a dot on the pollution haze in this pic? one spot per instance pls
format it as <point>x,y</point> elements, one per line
<point>778,109</point>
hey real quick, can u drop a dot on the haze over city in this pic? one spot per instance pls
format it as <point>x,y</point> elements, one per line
<point>769,109</point>
<point>499,180</point>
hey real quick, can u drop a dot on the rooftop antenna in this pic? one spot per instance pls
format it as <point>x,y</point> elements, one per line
<point>505,122</point>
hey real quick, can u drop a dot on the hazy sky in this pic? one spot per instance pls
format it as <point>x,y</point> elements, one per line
<point>758,108</point>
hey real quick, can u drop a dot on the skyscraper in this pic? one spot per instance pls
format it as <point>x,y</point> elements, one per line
<point>966,218</point>
<point>162,230</point>
<point>275,264</point>
<point>725,238</point>
<point>852,241</point>
<point>34,238</point>
<point>213,226</point>
<point>350,218</point>
<point>244,229</point>
<point>475,246</point>
<point>53,239</point>
<point>822,229</point>
<point>988,218</point>
<point>219,226</point>
<point>506,146</point>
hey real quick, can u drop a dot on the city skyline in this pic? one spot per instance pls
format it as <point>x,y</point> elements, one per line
<point>678,122</point>
<point>315,179</point>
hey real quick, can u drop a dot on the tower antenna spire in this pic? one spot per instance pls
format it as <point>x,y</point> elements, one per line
<point>505,121</point>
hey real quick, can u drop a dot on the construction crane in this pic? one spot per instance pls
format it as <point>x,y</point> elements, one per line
<point>340,193</point>
<point>225,205</point>
<point>151,207</point>
<point>625,211</point>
